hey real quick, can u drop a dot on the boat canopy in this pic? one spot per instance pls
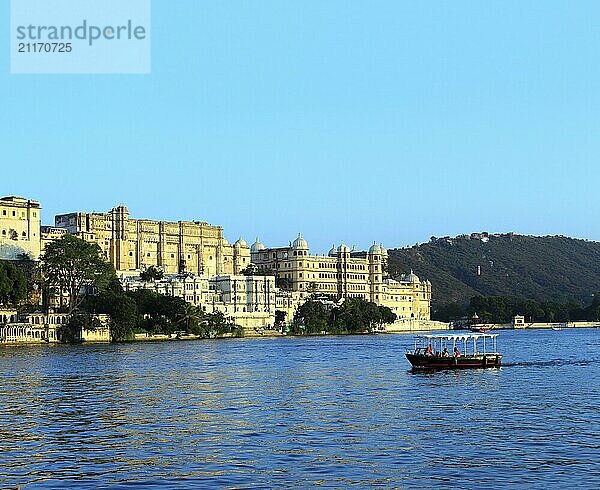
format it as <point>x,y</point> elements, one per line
<point>469,342</point>
<point>463,337</point>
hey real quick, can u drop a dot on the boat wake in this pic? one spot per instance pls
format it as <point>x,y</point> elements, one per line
<point>553,363</point>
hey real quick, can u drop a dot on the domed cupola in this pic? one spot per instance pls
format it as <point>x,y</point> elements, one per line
<point>332,252</point>
<point>300,243</point>
<point>257,246</point>
<point>412,278</point>
<point>241,243</point>
<point>343,248</point>
<point>375,249</point>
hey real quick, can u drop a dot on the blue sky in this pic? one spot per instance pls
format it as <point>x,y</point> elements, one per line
<point>345,120</point>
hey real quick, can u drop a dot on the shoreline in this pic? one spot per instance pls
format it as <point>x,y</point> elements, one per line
<point>545,326</point>
<point>271,334</point>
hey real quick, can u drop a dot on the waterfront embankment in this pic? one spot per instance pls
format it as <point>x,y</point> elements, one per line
<point>412,325</point>
<point>555,325</point>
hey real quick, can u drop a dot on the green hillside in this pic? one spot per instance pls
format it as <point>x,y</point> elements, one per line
<point>553,268</point>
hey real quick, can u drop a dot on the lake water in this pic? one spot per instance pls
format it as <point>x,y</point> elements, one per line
<point>300,412</point>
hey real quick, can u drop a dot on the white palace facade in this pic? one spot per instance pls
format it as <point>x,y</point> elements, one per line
<point>344,273</point>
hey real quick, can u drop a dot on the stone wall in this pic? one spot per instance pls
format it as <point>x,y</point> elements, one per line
<point>405,325</point>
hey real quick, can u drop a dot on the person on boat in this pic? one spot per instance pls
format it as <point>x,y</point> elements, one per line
<point>429,351</point>
<point>456,351</point>
<point>445,352</point>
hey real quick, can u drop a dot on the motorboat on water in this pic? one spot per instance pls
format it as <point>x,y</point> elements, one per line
<point>475,325</point>
<point>481,327</point>
<point>478,350</point>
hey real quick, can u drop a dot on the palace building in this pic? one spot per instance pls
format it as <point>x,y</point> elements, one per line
<point>345,273</point>
<point>202,267</point>
<point>250,301</point>
<point>19,228</point>
<point>136,244</point>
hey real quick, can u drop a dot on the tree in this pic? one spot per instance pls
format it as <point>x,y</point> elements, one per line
<point>312,288</point>
<point>152,273</point>
<point>13,285</point>
<point>123,316</point>
<point>593,311</point>
<point>357,315</point>
<point>254,270</point>
<point>121,308</point>
<point>218,325</point>
<point>450,311</point>
<point>73,265</point>
<point>312,317</point>
<point>387,315</point>
<point>191,319</point>
<point>280,317</point>
<point>31,272</point>
<point>158,313</point>
<point>71,332</point>
<point>283,283</point>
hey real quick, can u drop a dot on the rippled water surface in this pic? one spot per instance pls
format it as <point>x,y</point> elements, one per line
<point>301,412</point>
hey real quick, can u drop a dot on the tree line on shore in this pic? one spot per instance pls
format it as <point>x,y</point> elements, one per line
<point>502,309</point>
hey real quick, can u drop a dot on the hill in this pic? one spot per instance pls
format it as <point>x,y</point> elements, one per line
<point>553,268</point>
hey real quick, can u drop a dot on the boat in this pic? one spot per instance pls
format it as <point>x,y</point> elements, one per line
<point>556,329</point>
<point>475,325</point>
<point>481,327</point>
<point>466,351</point>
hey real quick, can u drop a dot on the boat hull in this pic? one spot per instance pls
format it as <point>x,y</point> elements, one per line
<point>419,361</point>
